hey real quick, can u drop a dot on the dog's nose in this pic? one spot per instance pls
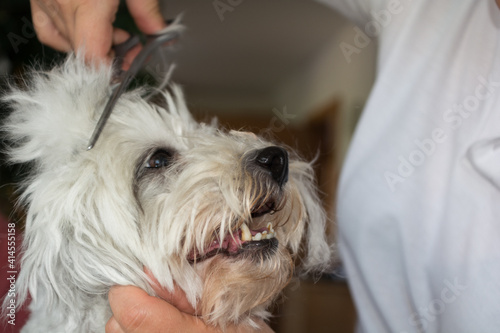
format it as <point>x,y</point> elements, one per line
<point>274,159</point>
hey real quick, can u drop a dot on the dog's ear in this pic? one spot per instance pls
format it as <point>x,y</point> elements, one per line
<point>49,126</point>
<point>53,116</point>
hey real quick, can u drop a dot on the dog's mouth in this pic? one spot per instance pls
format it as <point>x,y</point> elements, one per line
<point>243,240</point>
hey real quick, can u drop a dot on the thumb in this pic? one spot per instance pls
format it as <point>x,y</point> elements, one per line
<point>93,29</point>
<point>135,311</point>
<point>147,15</point>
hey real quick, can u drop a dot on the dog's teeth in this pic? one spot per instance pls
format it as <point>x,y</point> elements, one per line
<point>246,235</point>
<point>257,237</point>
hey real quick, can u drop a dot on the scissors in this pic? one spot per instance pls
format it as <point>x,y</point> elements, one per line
<point>155,42</point>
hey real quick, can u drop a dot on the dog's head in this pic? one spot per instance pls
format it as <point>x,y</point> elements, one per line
<point>223,214</point>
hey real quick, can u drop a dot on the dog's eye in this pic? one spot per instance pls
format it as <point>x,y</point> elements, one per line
<point>160,159</point>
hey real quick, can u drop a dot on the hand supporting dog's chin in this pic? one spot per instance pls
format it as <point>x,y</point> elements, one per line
<point>177,298</point>
<point>135,311</point>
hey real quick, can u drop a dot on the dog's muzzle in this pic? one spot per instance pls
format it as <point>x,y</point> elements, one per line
<point>255,238</point>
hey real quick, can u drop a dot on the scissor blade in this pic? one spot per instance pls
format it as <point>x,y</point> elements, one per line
<point>107,111</point>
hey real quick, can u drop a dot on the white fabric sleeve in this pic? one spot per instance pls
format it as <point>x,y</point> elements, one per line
<point>358,11</point>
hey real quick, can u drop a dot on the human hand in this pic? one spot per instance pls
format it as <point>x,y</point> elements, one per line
<point>135,311</point>
<point>86,25</point>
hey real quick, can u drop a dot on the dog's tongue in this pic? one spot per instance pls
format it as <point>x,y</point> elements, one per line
<point>230,244</point>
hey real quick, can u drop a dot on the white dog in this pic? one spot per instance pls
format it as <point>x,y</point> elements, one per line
<point>224,215</point>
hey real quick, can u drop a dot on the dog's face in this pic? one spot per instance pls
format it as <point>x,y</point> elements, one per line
<point>224,215</point>
<point>221,204</point>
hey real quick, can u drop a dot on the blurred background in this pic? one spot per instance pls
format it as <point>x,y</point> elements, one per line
<point>277,68</point>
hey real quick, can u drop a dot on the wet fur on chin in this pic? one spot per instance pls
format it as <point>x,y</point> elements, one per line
<point>96,218</point>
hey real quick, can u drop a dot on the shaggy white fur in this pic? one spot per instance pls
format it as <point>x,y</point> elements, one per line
<point>158,190</point>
